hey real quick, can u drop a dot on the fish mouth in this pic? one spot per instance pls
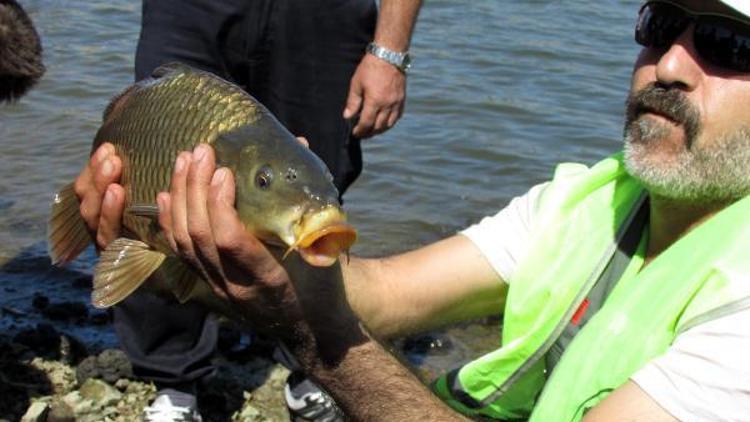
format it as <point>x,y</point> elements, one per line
<point>322,236</point>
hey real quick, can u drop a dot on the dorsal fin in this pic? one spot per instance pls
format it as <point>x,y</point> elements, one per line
<point>168,68</point>
<point>161,71</point>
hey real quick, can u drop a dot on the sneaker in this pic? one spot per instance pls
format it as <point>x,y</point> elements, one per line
<point>307,402</point>
<point>172,406</point>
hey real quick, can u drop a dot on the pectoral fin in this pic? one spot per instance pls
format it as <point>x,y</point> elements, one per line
<point>67,234</point>
<point>122,268</point>
<point>181,278</point>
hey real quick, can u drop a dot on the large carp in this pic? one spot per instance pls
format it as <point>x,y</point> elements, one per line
<point>285,195</point>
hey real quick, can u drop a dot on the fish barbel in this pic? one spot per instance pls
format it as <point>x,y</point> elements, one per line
<point>284,193</point>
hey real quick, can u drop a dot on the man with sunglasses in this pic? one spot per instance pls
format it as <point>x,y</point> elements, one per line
<point>624,287</point>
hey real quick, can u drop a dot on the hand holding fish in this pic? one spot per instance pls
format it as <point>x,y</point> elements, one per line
<point>247,272</point>
<point>201,224</point>
<point>284,198</point>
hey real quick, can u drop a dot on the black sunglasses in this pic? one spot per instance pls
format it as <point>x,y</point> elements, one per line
<point>719,39</point>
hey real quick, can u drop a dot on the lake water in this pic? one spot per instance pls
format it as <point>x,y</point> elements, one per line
<point>499,92</point>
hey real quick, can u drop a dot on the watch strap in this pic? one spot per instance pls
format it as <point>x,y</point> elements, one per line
<point>401,60</point>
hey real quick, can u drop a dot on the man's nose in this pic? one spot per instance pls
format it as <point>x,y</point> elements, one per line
<point>680,64</point>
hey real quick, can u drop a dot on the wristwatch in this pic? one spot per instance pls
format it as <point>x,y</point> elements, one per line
<point>402,61</point>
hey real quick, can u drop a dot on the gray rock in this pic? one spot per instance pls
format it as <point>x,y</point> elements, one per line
<point>100,393</point>
<point>110,365</point>
<point>60,412</point>
<point>37,412</point>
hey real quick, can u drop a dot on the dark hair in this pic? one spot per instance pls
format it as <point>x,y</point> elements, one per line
<point>20,52</point>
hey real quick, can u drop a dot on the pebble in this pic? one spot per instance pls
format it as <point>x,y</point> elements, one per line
<point>37,412</point>
<point>40,301</point>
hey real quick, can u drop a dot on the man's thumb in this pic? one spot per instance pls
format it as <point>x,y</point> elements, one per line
<point>353,103</point>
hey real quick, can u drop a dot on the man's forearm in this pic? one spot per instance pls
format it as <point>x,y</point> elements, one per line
<point>442,283</point>
<point>368,283</point>
<point>367,382</point>
<point>396,21</point>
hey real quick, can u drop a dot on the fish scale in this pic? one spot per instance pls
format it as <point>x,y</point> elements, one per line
<point>153,128</point>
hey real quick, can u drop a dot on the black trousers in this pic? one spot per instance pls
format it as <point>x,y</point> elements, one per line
<point>297,58</point>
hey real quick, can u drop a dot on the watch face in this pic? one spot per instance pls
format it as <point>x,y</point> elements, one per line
<point>406,63</point>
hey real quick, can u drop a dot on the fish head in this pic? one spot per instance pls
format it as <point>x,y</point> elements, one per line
<point>285,194</point>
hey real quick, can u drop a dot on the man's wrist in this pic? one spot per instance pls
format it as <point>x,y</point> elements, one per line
<point>399,59</point>
<point>324,348</point>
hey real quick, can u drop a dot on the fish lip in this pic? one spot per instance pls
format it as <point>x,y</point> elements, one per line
<point>336,228</point>
<point>322,234</point>
<point>323,248</point>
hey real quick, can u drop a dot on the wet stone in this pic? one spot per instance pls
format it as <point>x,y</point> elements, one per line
<point>60,377</point>
<point>427,344</point>
<point>110,365</point>
<point>44,339</point>
<point>100,318</point>
<point>100,393</point>
<point>83,282</point>
<point>71,349</point>
<point>66,311</point>
<point>60,412</point>
<point>37,412</point>
<point>40,301</point>
<point>122,384</point>
<point>9,310</point>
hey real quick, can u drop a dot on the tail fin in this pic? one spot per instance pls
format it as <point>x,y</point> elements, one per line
<point>67,234</point>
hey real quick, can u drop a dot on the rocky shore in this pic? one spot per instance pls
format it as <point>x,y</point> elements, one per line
<point>59,357</point>
<point>46,375</point>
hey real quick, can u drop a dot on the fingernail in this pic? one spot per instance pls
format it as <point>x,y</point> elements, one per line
<point>218,177</point>
<point>102,154</point>
<point>107,168</point>
<point>179,164</point>
<point>199,153</point>
<point>109,197</point>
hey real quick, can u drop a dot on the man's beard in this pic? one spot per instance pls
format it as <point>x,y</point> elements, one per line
<point>694,172</point>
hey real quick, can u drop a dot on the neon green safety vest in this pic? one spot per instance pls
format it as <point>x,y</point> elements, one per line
<point>582,215</point>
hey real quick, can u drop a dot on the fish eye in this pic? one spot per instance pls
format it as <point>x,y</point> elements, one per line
<point>263,178</point>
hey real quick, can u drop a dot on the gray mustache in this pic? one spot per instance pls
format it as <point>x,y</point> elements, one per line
<point>669,102</point>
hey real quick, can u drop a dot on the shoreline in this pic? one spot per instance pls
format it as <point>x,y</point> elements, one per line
<point>46,375</point>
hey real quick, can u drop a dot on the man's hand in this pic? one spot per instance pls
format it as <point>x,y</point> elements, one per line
<point>102,200</point>
<point>376,92</point>
<point>201,224</point>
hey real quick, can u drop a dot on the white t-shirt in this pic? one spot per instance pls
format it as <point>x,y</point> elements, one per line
<point>703,376</point>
